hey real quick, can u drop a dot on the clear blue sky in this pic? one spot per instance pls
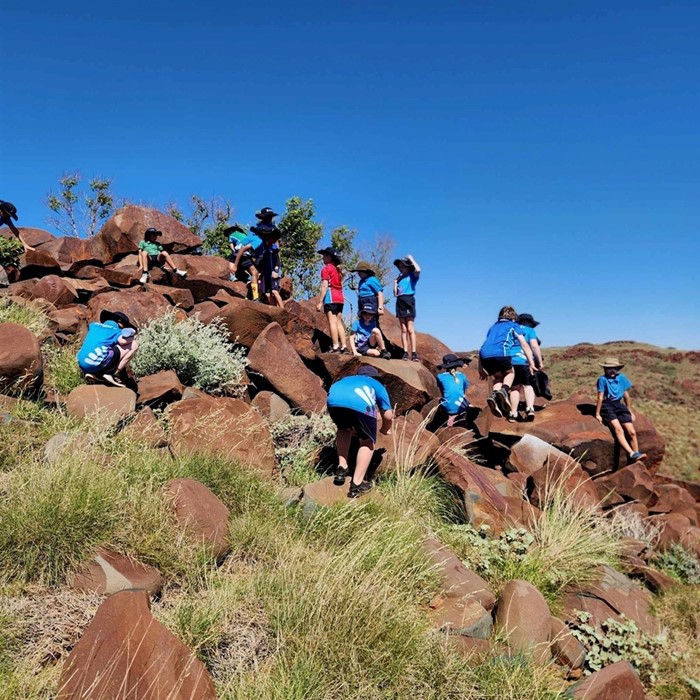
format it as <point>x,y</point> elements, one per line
<point>539,154</point>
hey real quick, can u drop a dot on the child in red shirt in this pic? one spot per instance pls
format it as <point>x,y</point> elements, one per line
<point>332,298</point>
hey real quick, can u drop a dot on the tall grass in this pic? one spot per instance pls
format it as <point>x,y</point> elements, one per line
<point>25,312</point>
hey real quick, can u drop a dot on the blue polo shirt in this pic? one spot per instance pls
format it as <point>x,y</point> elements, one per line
<point>501,338</point>
<point>256,244</point>
<point>100,339</point>
<point>406,284</point>
<point>453,388</point>
<point>362,331</point>
<point>517,352</point>
<point>236,239</point>
<point>369,287</point>
<point>361,394</point>
<point>613,388</point>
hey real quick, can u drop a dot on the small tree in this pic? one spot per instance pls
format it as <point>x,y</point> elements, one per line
<point>207,219</point>
<point>381,256</point>
<point>299,245</point>
<point>343,240</point>
<point>79,212</point>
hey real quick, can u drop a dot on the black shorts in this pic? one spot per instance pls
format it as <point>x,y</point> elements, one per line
<point>523,375</point>
<point>615,410</point>
<point>333,308</point>
<point>269,284</point>
<point>248,261</point>
<point>154,260</point>
<point>232,258</point>
<point>496,365</point>
<point>109,364</point>
<point>364,426</point>
<point>406,306</point>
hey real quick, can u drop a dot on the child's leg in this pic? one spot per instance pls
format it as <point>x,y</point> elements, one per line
<point>497,381</point>
<point>167,260</point>
<point>508,378</point>
<point>342,446</point>
<point>620,436</point>
<point>143,261</point>
<point>529,392</point>
<point>404,333</point>
<point>277,299</point>
<point>126,352</point>
<point>631,435</point>
<point>514,400</point>
<point>364,457</point>
<point>411,330</point>
<point>334,331</point>
<point>340,329</point>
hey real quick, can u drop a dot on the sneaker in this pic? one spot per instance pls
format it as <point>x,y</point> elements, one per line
<point>182,273</point>
<point>90,378</point>
<point>414,357</point>
<point>512,417</point>
<point>493,405</point>
<point>339,476</point>
<point>530,415</point>
<point>385,355</point>
<point>335,348</point>
<point>503,398</point>
<point>343,349</point>
<point>232,278</point>
<point>109,379</point>
<point>636,457</point>
<point>405,356</point>
<point>144,278</point>
<point>357,490</point>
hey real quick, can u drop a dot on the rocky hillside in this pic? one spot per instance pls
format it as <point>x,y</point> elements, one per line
<point>180,538</point>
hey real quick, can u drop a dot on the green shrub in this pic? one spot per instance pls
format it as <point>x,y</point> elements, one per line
<point>26,313</point>
<point>678,563</point>
<point>10,250</point>
<point>201,355</point>
<point>617,640</point>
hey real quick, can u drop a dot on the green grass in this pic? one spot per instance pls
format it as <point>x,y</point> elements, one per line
<point>61,370</point>
<point>26,313</point>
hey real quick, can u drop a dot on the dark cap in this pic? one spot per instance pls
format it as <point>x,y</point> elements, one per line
<point>9,208</point>
<point>368,371</point>
<point>368,309</point>
<point>266,230</point>
<point>265,213</point>
<point>332,252</point>
<point>235,227</point>
<point>117,316</point>
<point>153,231</point>
<point>528,320</point>
<point>450,361</point>
<point>404,261</point>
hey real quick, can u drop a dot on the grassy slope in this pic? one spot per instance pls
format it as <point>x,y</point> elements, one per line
<point>666,389</point>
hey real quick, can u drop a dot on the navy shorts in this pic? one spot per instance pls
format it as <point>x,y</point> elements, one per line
<point>496,365</point>
<point>248,261</point>
<point>108,365</point>
<point>154,260</point>
<point>364,426</point>
<point>523,375</point>
<point>333,308</point>
<point>615,410</point>
<point>269,284</point>
<point>406,306</point>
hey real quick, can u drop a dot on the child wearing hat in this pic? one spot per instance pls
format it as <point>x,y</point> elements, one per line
<point>8,212</point>
<point>151,254</point>
<point>249,256</point>
<point>365,336</point>
<point>496,361</point>
<point>405,293</point>
<point>453,388</point>
<point>353,404</point>
<point>108,348</point>
<point>370,291</point>
<point>524,377</point>
<point>236,234</point>
<point>614,407</point>
<point>332,298</point>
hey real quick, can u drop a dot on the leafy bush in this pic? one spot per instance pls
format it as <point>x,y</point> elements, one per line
<point>617,641</point>
<point>26,313</point>
<point>10,250</point>
<point>679,563</point>
<point>201,355</point>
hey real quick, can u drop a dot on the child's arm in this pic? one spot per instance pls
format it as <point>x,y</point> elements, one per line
<point>396,287</point>
<point>416,267</point>
<point>387,420</point>
<point>598,406</point>
<point>324,289</point>
<point>351,343</point>
<point>535,345</point>
<point>628,403</point>
<point>528,353</point>
<point>380,302</point>
<point>239,255</point>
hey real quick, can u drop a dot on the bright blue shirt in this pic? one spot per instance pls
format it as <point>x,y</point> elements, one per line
<point>500,339</point>
<point>255,242</point>
<point>517,352</point>
<point>100,339</point>
<point>452,388</point>
<point>236,239</point>
<point>362,331</point>
<point>406,284</point>
<point>613,388</point>
<point>369,287</point>
<point>361,394</point>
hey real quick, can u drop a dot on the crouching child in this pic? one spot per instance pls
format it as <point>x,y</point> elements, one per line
<point>365,336</point>
<point>453,388</point>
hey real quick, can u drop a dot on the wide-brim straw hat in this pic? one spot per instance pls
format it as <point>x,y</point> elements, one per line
<point>612,363</point>
<point>363,266</point>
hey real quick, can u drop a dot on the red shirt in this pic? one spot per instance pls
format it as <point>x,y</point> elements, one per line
<point>331,274</point>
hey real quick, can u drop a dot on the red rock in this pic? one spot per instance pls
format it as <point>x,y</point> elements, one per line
<point>632,483</point>
<point>206,310</point>
<point>273,357</point>
<point>140,305</point>
<point>37,263</point>
<point>520,480</point>
<point>270,405</point>
<point>462,616</point>
<point>615,682</point>
<point>146,428</point>
<point>673,527</point>
<point>246,320</point>
<point>107,402</point>
<point>222,427</point>
<point>69,252</point>
<point>566,649</point>
<point>523,618</point>
<point>656,580</point>
<point>126,276</point>
<point>323,493</point>
<point>109,572</point>
<point>200,512</point>
<point>161,388</point>
<point>531,453</point>
<point>671,498</point>
<point>182,298</point>
<point>126,652</point>
<point>408,447</point>
<point>21,364</point>
<point>520,513</point>
<point>565,475</point>
<point>57,290</point>
<point>207,265</point>
<point>691,487</point>
<point>204,287</point>
<point>70,321</point>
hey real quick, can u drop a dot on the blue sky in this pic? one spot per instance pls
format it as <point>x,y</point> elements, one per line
<point>543,154</point>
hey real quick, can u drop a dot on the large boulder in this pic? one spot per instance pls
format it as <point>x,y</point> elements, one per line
<point>207,265</point>
<point>246,320</point>
<point>273,357</point>
<point>126,653</point>
<point>21,364</point>
<point>140,305</point>
<point>566,649</point>
<point>201,514</point>
<point>615,682</point>
<point>71,320</point>
<point>632,483</point>
<point>222,427</point>
<point>270,405</point>
<point>160,388</point>
<point>409,446</point>
<point>109,403</point>
<point>58,290</point>
<point>123,232</point>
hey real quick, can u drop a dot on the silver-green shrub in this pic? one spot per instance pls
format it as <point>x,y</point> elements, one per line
<point>201,355</point>
<point>679,563</point>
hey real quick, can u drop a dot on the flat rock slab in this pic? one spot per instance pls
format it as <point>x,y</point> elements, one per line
<point>615,682</point>
<point>463,616</point>
<point>160,388</point>
<point>126,653</point>
<point>566,649</point>
<point>111,402</point>
<point>109,572</point>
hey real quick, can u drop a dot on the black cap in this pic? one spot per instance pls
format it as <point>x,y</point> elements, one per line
<point>153,231</point>
<point>528,320</point>
<point>405,261</point>
<point>450,360</point>
<point>9,208</point>
<point>368,371</point>
<point>117,316</point>
<point>330,251</point>
<point>235,227</point>
<point>265,213</point>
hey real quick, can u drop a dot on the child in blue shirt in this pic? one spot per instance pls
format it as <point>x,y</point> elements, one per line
<point>495,359</point>
<point>108,348</point>
<point>405,293</point>
<point>236,234</point>
<point>370,291</point>
<point>365,336</point>
<point>524,377</point>
<point>453,388</point>
<point>614,407</point>
<point>353,404</point>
